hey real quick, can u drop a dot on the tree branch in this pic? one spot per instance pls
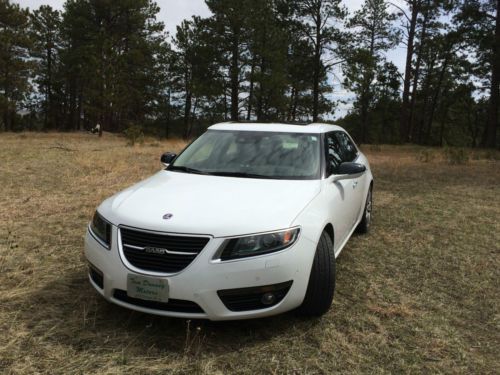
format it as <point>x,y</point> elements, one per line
<point>401,9</point>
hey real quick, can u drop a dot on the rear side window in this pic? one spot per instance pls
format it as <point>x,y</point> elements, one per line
<point>347,147</point>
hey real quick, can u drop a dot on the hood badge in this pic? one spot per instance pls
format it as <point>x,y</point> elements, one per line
<point>167,216</point>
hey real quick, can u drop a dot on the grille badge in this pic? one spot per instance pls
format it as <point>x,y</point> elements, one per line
<point>167,216</point>
<point>156,250</point>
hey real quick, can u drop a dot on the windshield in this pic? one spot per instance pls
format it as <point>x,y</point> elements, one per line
<point>252,154</point>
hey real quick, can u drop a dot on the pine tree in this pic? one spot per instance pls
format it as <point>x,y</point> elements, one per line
<point>112,59</point>
<point>268,39</point>
<point>194,70</point>
<point>372,34</point>
<point>319,23</point>
<point>410,25</point>
<point>480,23</point>
<point>15,67</point>
<point>44,32</point>
<point>230,34</point>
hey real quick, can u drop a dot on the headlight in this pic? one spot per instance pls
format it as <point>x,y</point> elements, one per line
<point>243,247</point>
<point>101,230</point>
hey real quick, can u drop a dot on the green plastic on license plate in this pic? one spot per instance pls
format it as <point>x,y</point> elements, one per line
<point>147,288</point>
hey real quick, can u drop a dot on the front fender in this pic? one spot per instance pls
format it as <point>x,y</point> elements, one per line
<point>313,219</point>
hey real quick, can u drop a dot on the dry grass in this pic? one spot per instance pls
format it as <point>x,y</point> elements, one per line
<point>420,294</point>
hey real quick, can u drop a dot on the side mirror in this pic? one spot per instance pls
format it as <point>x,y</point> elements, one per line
<point>348,171</point>
<point>167,158</point>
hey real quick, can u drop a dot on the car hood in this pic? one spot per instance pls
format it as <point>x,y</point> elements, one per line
<point>213,205</point>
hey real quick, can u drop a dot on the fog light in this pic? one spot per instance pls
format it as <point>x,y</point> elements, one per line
<point>268,299</point>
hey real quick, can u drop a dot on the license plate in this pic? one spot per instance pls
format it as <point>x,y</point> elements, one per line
<point>147,288</point>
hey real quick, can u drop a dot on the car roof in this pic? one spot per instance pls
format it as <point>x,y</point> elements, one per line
<point>317,128</point>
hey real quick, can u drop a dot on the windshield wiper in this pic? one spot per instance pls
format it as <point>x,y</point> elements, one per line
<point>239,174</point>
<point>186,169</point>
<point>216,173</point>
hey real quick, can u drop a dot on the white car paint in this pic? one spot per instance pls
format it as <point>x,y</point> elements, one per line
<point>218,204</point>
<point>221,207</point>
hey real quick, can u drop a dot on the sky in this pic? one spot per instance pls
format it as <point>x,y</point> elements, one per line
<point>173,12</point>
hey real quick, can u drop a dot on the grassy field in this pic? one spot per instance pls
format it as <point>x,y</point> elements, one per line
<point>420,294</point>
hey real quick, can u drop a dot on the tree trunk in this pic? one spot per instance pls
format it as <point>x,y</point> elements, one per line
<point>475,128</point>
<point>404,118</point>
<point>260,92</point>
<point>317,67</point>
<point>49,110</point>
<point>425,95</point>
<point>189,128</point>
<point>235,77</point>
<point>187,112</point>
<point>167,125</point>
<point>6,119</point>
<point>364,114</point>
<point>437,90</point>
<point>226,110</point>
<point>366,92</point>
<point>72,105</point>
<point>293,103</point>
<point>441,131</point>
<point>416,76</point>
<point>250,94</point>
<point>490,137</point>
<point>6,115</point>
<point>79,125</point>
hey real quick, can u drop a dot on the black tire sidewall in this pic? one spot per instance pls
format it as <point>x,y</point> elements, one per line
<point>321,286</point>
<point>364,225</point>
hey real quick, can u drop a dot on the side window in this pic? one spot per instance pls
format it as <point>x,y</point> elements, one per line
<point>347,148</point>
<point>333,153</point>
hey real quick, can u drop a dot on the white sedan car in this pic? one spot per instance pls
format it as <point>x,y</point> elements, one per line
<point>246,222</point>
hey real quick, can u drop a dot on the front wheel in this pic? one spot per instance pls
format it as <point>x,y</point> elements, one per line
<point>319,294</point>
<point>364,225</point>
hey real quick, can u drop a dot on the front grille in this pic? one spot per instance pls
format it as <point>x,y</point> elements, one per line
<point>245,299</point>
<point>174,305</point>
<point>174,252</point>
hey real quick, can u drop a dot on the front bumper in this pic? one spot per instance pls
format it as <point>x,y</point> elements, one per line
<point>203,278</point>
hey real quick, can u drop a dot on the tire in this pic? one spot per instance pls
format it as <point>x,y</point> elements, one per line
<point>365,223</point>
<point>321,286</point>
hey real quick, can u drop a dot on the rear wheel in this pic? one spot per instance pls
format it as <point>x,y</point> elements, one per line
<point>319,294</point>
<point>364,225</point>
